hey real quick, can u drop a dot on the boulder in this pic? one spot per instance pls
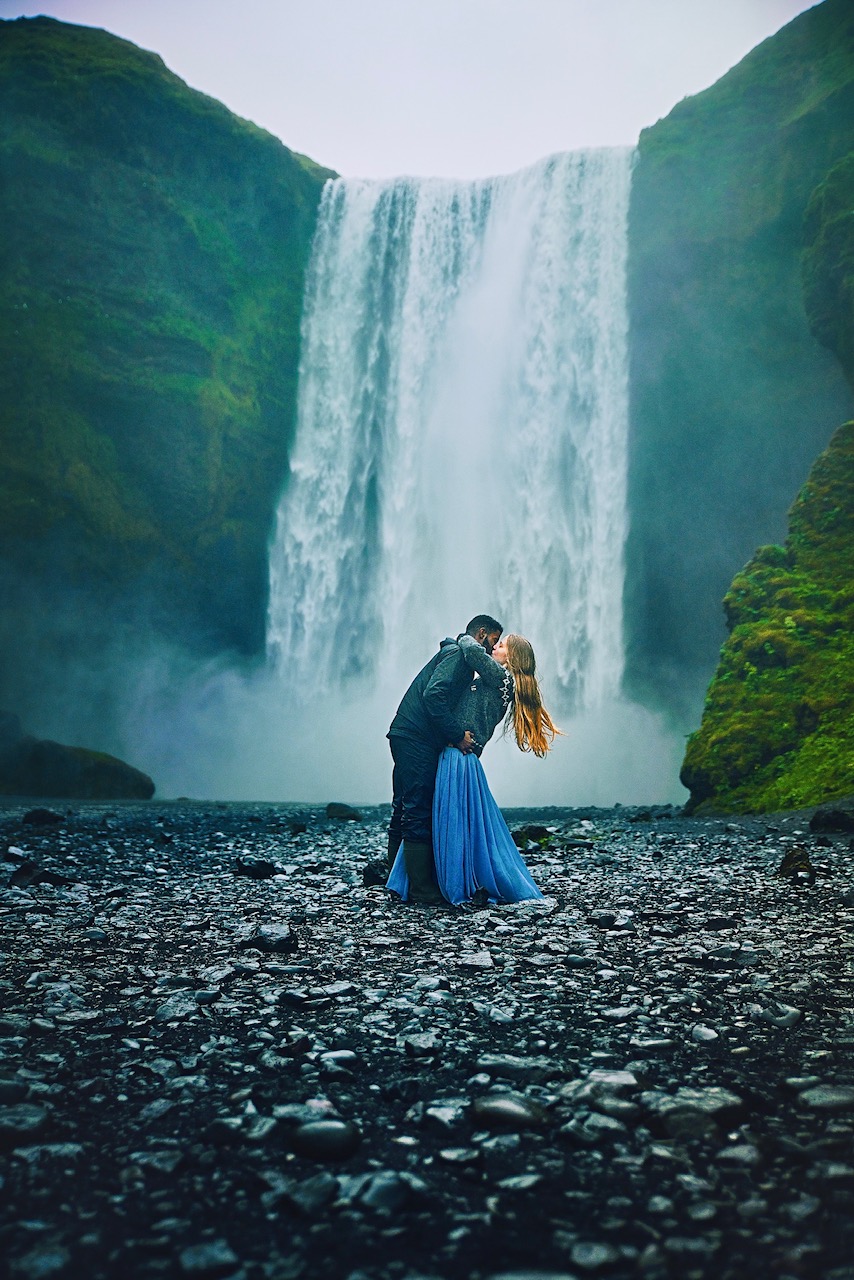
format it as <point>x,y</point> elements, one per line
<point>342,812</point>
<point>38,767</point>
<point>833,819</point>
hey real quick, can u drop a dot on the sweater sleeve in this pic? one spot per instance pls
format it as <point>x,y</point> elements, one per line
<point>490,671</point>
<point>441,693</point>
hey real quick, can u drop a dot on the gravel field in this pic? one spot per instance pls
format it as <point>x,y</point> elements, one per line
<point>223,1055</point>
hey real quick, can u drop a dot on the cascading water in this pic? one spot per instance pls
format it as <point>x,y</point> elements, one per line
<point>462,424</point>
<point>460,448</point>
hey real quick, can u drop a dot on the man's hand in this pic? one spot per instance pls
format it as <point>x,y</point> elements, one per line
<point>466,743</point>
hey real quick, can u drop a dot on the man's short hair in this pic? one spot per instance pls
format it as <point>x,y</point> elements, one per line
<point>483,621</point>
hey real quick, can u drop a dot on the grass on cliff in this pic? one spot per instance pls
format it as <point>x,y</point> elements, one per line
<point>778,724</point>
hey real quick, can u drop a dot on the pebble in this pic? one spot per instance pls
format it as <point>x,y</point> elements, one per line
<point>20,1120</point>
<point>828,1097</point>
<point>213,1258</point>
<point>646,1073</point>
<point>507,1112</point>
<point>326,1139</point>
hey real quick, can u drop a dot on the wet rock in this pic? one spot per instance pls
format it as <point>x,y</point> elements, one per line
<point>461,1157</point>
<point>19,1121</point>
<point>701,1034</point>
<point>833,819</point>
<point>828,1097</point>
<point>29,873</point>
<point>742,1155</point>
<point>41,818</point>
<point>179,1006</point>
<point>594,1257</point>
<point>256,868</point>
<point>776,1015</point>
<point>531,1275</point>
<point>692,1112</point>
<point>342,812</point>
<point>509,1066</point>
<point>167,1130</point>
<point>422,1044</point>
<point>507,1111</point>
<point>40,1263</point>
<point>271,938</point>
<point>374,873</point>
<point>326,1139</point>
<point>312,1194</point>
<point>12,1091</point>
<point>212,1258</point>
<point>387,1191</point>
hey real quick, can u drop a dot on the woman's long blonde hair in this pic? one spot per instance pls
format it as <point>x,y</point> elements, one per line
<point>532,724</point>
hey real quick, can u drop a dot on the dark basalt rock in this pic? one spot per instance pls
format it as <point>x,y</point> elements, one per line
<point>835,819</point>
<point>41,818</point>
<point>38,767</point>
<point>373,1098</point>
<point>326,1139</point>
<point>256,868</point>
<point>271,938</point>
<point>30,873</point>
<point>342,812</point>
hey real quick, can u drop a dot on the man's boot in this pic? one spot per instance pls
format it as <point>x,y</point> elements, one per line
<point>393,846</point>
<point>418,859</point>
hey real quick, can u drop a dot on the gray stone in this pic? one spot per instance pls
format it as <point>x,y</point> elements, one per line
<point>828,1097</point>
<point>312,1194</point>
<point>594,1257</point>
<point>178,1007</point>
<point>511,1067</point>
<point>505,1111</point>
<point>212,1258</point>
<point>41,1262</point>
<point>326,1139</point>
<point>20,1121</point>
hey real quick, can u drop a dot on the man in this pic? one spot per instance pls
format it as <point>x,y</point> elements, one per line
<point>425,723</point>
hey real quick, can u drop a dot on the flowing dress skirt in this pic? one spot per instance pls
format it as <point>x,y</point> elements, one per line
<point>472,845</point>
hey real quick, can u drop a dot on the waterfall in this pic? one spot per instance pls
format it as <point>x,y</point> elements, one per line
<point>462,428</point>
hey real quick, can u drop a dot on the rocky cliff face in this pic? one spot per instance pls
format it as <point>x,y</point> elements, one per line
<point>778,725</point>
<point>732,396</point>
<point>151,278</point>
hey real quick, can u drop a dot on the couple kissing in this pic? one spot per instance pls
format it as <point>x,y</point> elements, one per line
<point>447,839</point>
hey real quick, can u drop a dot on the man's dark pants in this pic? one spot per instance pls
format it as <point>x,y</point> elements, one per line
<point>413,782</point>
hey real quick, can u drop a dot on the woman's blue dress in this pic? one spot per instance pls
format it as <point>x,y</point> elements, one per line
<point>472,844</point>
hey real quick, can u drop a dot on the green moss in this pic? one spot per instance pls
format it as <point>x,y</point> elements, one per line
<point>151,277</point>
<point>778,725</point>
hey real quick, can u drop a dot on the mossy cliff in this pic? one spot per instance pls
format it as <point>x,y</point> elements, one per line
<point>778,725</point>
<point>151,279</point>
<point>732,396</point>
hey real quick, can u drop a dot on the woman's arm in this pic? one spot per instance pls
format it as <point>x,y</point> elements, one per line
<point>490,671</point>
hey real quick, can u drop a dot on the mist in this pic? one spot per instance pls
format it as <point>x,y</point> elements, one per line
<point>208,731</point>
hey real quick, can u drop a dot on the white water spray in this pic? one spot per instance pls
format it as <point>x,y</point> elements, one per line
<point>461,447</point>
<point>462,424</point>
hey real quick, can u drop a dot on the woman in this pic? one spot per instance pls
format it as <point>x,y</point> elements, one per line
<point>473,849</point>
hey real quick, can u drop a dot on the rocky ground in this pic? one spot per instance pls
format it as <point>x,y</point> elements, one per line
<point>210,1070</point>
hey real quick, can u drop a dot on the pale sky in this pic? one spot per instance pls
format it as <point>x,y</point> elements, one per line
<point>457,88</point>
